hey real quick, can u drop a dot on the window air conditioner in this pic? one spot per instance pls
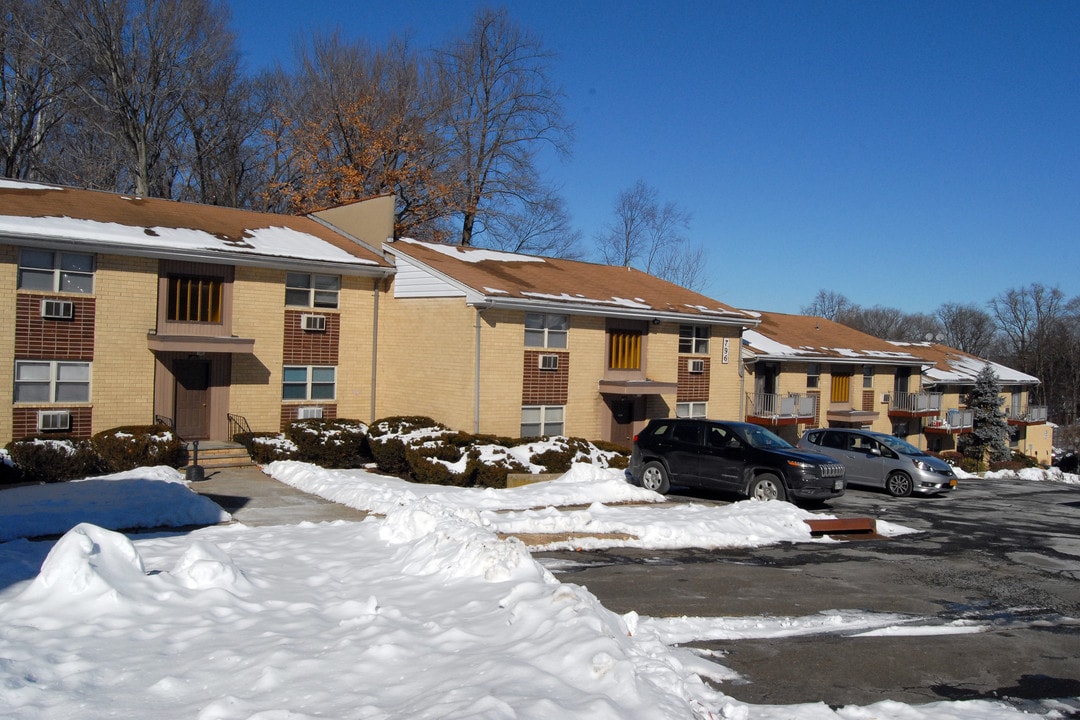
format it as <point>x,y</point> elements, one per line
<point>53,420</point>
<point>549,362</point>
<point>57,309</point>
<point>309,413</point>
<point>696,366</point>
<point>313,323</point>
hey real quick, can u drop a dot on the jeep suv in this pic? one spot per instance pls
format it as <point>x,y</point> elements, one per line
<point>733,456</point>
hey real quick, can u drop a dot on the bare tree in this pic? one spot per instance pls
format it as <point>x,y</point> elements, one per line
<point>504,109</point>
<point>651,236</point>
<point>141,60</point>
<point>541,228</point>
<point>830,305</point>
<point>967,327</point>
<point>34,87</point>
<point>1027,318</point>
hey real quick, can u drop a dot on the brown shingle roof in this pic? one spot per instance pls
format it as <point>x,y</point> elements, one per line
<point>59,213</point>
<point>519,278</point>
<point>813,338</point>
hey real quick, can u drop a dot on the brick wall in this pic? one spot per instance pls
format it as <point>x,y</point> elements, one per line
<point>258,313</point>
<point>868,400</point>
<point>24,421</point>
<point>693,387</point>
<point>38,338</point>
<point>307,347</point>
<point>289,412</point>
<point>544,387</point>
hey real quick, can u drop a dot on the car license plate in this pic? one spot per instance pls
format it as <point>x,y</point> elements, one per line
<point>838,485</point>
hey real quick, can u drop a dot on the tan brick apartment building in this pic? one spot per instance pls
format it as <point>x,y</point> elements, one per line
<point>521,345</point>
<point>119,309</point>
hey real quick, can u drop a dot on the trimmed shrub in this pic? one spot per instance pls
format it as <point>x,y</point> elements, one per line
<point>554,460</point>
<point>266,447</point>
<point>1017,462</point>
<point>337,443</point>
<point>9,471</point>
<point>389,450</point>
<point>425,468</point>
<point>132,446</point>
<point>492,471</point>
<point>54,458</point>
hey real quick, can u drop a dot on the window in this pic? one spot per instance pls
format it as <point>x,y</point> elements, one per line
<point>625,350</point>
<point>813,376</point>
<point>52,381</point>
<point>868,376</point>
<point>308,290</point>
<point>690,410</point>
<point>546,331</point>
<point>308,382</point>
<point>195,299</point>
<point>537,420</point>
<point>694,339</point>
<point>56,271</point>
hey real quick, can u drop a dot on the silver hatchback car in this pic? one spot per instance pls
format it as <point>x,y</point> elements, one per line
<point>882,461</point>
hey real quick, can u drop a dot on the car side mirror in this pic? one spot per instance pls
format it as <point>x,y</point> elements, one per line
<point>875,451</point>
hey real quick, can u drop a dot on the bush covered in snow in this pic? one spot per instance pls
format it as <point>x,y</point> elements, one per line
<point>129,447</point>
<point>55,458</point>
<point>9,471</point>
<point>329,443</point>
<point>425,451</point>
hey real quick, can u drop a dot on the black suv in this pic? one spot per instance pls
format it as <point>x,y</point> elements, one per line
<point>735,456</point>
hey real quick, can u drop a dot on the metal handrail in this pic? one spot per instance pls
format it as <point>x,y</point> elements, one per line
<point>916,401</point>
<point>776,405</point>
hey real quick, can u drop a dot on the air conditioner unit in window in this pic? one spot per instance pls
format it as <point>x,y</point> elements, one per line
<point>309,413</point>
<point>549,362</point>
<point>57,309</point>
<point>53,420</point>
<point>313,323</point>
<point>696,366</point>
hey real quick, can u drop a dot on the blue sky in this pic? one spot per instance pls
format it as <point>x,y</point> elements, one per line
<point>905,154</point>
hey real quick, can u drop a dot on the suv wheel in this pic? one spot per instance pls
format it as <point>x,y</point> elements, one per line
<point>899,484</point>
<point>766,487</point>
<point>654,477</point>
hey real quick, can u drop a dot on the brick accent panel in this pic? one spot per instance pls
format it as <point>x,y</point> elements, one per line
<point>304,347</point>
<point>24,421</point>
<point>289,412</point>
<point>545,387</point>
<point>693,387</point>
<point>868,400</point>
<point>40,338</point>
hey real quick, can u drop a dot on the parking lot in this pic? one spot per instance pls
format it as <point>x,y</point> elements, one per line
<point>1004,554</point>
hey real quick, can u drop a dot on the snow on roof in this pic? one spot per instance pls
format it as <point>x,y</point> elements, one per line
<point>132,224</point>
<point>506,278</point>
<point>956,367</point>
<point>806,337</point>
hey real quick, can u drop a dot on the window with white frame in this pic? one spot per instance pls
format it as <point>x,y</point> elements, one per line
<point>694,339</point>
<point>537,420</point>
<point>545,330</point>
<point>53,271</point>
<point>309,382</point>
<point>52,381</point>
<point>867,376</point>
<point>691,409</point>
<point>813,376</point>
<point>311,290</point>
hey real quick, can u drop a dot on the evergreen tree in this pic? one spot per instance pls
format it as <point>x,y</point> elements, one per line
<point>989,438</point>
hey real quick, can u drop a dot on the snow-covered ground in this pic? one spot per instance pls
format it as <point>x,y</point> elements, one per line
<point>419,612</point>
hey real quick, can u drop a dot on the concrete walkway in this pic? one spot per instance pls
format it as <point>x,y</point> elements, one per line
<point>254,498</point>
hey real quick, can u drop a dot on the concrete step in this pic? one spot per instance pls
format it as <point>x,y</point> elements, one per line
<point>219,455</point>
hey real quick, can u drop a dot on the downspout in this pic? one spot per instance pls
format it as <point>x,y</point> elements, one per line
<point>476,379</point>
<point>374,347</point>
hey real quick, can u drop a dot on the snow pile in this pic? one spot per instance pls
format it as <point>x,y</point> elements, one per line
<point>141,498</point>
<point>1052,474</point>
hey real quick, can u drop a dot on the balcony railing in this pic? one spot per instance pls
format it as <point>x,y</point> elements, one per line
<point>915,402</point>
<point>1031,415</point>
<point>781,407</point>
<point>955,421</point>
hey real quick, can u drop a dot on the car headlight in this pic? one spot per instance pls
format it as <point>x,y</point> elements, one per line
<point>924,466</point>
<point>801,465</point>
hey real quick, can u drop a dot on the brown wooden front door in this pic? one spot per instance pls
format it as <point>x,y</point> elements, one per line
<point>192,398</point>
<point>624,411</point>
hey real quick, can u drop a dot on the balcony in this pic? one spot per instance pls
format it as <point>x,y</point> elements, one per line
<point>1032,415</point>
<point>955,422</point>
<point>773,409</point>
<point>909,404</point>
